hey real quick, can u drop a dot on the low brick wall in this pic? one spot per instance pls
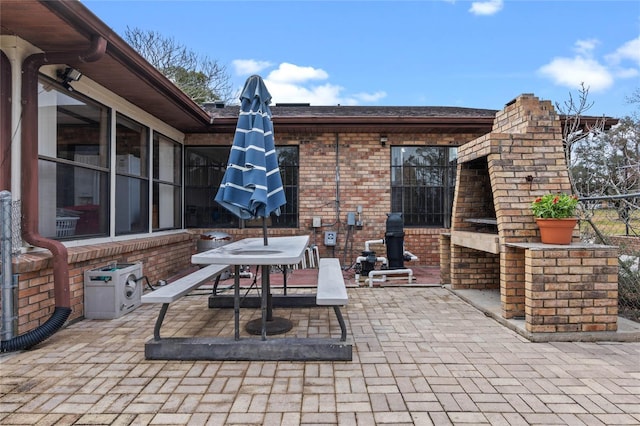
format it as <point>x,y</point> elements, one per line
<point>572,288</point>
<point>161,257</point>
<point>473,269</point>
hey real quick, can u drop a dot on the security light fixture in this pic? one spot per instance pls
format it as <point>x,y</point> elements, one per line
<point>68,75</point>
<point>383,140</point>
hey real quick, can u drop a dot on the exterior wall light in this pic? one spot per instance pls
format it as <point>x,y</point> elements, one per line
<point>68,75</point>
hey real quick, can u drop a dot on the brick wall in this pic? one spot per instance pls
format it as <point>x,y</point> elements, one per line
<point>364,168</point>
<point>161,257</point>
<point>473,269</point>
<point>571,289</point>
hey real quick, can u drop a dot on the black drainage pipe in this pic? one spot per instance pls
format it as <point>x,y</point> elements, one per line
<point>39,334</point>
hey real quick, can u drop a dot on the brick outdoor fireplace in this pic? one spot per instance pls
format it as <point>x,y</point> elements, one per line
<point>494,241</point>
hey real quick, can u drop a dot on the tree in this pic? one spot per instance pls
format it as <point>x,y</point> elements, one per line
<point>603,164</point>
<point>607,163</point>
<point>200,77</point>
<point>634,98</point>
<point>574,131</point>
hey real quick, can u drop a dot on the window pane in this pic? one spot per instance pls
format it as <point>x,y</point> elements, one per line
<point>167,191</point>
<point>78,196</point>
<point>422,184</point>
<point>204,169</point>
<point>167,159</point>
<point>132,201</point>
<point>167,211</point>
<point>73,135</point>
<point>132,141</point>
<point>288,162</point>
<point>132,192</point>
<point>71,128</point>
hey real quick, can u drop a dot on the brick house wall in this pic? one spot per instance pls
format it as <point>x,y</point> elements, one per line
<point>365,180</point>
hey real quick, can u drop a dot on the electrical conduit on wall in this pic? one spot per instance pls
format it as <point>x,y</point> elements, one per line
<point>29,181</point>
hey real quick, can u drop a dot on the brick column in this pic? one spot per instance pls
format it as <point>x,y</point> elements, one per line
<point>445,258</point>
<point>512,278</point>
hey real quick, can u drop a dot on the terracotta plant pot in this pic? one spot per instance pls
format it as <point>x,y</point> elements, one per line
<point>556,231</point>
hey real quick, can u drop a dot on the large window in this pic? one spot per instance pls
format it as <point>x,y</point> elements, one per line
<point>73,166</point>
<point>422,184</point>
<point>204,169</point>
<point>167,183</point>
<point>132,177</point>
<point>76,169</point>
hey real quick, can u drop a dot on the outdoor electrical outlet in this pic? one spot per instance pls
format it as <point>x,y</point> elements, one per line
<point>330,238</point>
<point>316,222</point>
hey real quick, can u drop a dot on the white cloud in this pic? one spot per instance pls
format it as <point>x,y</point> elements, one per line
<point>572,72</point>
<point>249,66</point>
<point>324,94</point>
<point>370,97</point>
<point>596,75</point>
<point>291,73</point>
<point>628,51</point>
<point>627,72</point>
<point>585,47</point>
<point>291,83</point>
<point>489,7</point>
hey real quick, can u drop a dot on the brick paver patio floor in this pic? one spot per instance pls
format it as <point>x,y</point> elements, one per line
<point>422,356</point>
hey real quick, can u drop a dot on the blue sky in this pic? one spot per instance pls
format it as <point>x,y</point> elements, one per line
<point>479,54</point>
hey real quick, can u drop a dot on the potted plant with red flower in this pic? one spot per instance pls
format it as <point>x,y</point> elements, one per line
<point>556,217</point>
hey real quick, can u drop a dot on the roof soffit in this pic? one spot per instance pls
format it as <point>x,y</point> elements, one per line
<point>60,26</point>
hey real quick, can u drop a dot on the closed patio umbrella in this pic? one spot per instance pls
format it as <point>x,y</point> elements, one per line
<point>251,187</point>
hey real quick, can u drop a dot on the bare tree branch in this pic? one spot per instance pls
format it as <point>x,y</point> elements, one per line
<point>201,78</point>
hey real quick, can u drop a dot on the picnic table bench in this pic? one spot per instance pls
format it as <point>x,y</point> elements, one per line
<point>331,292</point>
<point>179,288</point>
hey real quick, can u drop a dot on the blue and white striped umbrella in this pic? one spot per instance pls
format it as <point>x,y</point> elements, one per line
<point>252,186</point>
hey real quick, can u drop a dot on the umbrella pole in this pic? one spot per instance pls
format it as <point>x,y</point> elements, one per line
<point>264,230</point>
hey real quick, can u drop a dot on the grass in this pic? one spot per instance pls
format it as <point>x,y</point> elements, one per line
<point>608,222</point>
